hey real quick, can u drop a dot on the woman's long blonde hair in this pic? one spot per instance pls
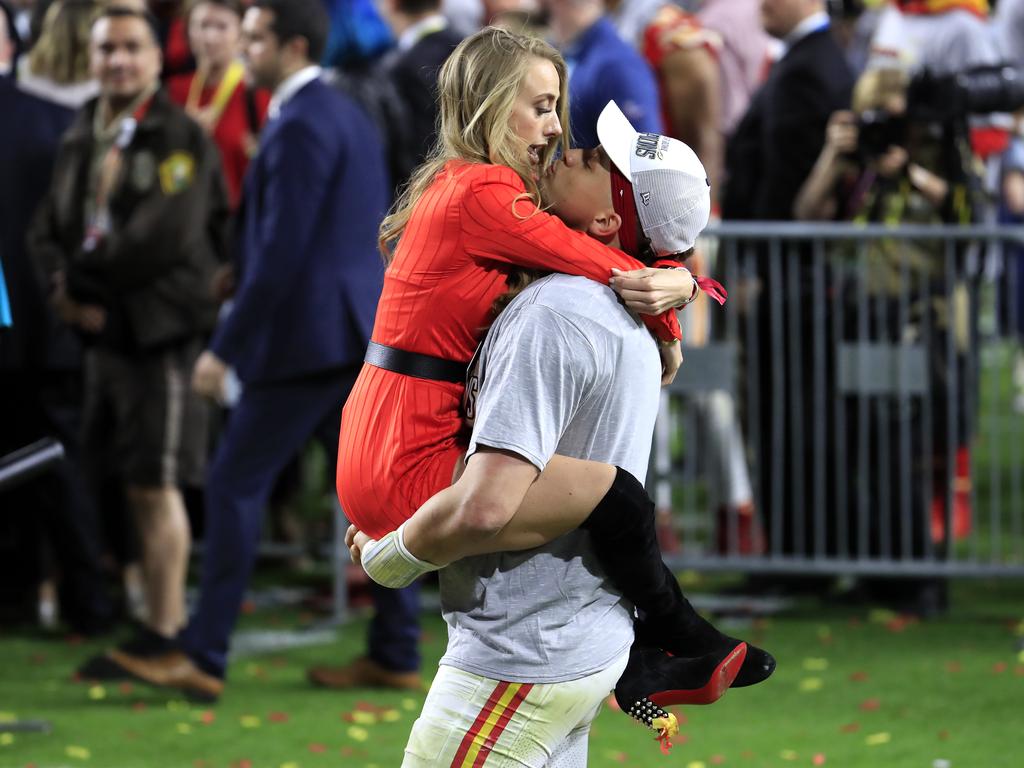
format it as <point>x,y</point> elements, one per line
<point>478,86</point>
<point>62,51</point>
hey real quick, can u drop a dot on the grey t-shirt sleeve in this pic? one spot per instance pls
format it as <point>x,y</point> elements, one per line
<point>536,369</point>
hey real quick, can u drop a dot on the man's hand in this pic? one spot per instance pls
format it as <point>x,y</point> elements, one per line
<point>651,291</point>
<point>671,359</point>
<point>91,318</point>
<point>386,561</point>
<point>356,540</point>
<point>209,375</point>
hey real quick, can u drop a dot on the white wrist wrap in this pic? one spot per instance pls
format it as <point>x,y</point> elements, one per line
<point>390,564</point>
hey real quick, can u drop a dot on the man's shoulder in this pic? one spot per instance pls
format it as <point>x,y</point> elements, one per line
<point>578,300</point>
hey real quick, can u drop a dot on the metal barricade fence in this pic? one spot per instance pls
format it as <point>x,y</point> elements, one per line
<point>859,389</point>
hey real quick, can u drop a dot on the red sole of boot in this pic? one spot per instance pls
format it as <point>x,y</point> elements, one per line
<point>715,687</point>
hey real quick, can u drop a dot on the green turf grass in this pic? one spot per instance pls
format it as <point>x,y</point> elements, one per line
<point>854,688</point>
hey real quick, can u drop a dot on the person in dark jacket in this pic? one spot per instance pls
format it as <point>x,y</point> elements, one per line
<point>768,159</point>
<point>309,277</point>
<point>127,240</point>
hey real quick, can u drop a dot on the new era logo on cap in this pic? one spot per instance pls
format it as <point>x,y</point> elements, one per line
<point>670,185</point>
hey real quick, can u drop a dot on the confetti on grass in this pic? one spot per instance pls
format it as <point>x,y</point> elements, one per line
<point>278,717</point>
<point>97,693</point>
<point>788,754</point>
<point>78,753</point>
<point>408,704</point>
<point>877,739</point>
<point>870,705</point>
<point>818,759</point>
<point>356,733</point>
<point>810,684</point>
<point>250,721</point>
<point>6,739</point>
<point>815,665</point>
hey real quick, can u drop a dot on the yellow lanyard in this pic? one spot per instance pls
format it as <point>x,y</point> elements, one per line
<point>232,77</point>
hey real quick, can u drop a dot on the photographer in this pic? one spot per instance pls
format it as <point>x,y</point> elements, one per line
<point>882,164</point>
<point>875,165</point>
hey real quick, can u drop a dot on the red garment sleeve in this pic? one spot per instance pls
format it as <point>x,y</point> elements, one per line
<point>500,224</point>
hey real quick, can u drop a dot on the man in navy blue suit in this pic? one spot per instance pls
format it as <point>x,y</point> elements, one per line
<point>308,283</point>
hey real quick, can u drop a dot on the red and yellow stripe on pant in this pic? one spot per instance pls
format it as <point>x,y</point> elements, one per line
<point>489,724</point>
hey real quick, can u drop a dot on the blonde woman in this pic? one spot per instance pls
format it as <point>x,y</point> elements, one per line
<point>469,213</point>
<point>57,68</point>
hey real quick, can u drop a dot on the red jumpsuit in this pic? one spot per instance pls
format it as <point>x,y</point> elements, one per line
<point>400,435</point>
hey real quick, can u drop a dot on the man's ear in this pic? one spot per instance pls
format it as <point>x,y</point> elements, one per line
<point>605,225</point>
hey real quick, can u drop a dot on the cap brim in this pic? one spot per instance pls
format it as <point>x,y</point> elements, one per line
<point>617,137</point>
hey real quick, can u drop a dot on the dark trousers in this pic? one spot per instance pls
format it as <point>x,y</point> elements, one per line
<point>267,428</point>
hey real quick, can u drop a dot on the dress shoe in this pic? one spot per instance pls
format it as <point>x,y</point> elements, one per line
<point>145,643</point>
<point>363,673</point>
<point>172,670</point>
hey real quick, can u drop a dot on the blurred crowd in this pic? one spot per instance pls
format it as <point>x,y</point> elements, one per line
<point>125,215</point>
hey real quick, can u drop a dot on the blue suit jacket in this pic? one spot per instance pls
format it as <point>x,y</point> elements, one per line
<point>309,270</point>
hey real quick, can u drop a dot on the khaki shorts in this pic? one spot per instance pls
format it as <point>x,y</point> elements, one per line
<point>471,721</point>
<point>142,420</point>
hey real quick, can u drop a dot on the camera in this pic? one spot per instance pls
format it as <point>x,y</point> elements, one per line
<point>877,130</point>
<point>978,91</point>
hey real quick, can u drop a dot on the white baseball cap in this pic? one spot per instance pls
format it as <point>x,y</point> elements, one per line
<point>671,189</point>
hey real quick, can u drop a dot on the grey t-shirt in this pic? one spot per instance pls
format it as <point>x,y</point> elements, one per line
<point>565,369</point>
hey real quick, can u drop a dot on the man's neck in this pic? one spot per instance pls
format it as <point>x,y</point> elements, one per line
<point>289,70</point>
<point>115,106</point>
<point>401,22</point>
<point>214,72</point>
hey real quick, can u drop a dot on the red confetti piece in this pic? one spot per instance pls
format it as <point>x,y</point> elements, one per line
<point>200,763</point>
<point>138,706</point>
<point>278,717</point>
<point>347,751</point>
<point>898,624</point>
<point>620,757</point>
<point>717,759</point>
<point>125,688</point>
<point>999,667</point>
<point>348,717</point>
<point>242,764</point>
<point>819,759</point>
<point>248,607</point>
<point>76,678</point>
<point>207,717</point>
<point>850,728</point>
<point>317,749</point>
<point>1019,670</point>
<point>870,705</point>
<point>858,677</point>
<point>746,754</point>
<point>943,735</point>
<point>953,667</point>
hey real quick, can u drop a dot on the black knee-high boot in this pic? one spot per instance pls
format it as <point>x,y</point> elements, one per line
<point>624,539</point>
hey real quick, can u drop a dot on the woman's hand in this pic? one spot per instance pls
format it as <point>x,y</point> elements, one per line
<point>841,133</point>
<point>671,359</point>
<point>651,291</point>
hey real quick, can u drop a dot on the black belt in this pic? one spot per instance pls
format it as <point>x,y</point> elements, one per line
<point>414,364</point>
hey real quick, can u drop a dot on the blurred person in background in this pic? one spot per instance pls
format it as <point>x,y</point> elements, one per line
<point>10,42</point>
<point>425,40</point>
<point>57,68</point>
<point>880,165</point>
<point>216,95</point>
<point>308,282</point>
<point>768,158</point>
<point>603,67</point>
<point>40,361</point>
<point>127,239</point>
